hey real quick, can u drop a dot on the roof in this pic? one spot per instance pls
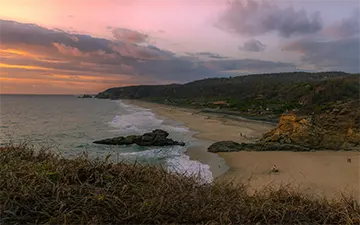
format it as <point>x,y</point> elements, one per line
<point>220,103</point>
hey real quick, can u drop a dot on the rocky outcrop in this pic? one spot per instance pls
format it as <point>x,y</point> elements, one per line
<point>226,146</point>
<point>155,138</point>
<point>231,146</point>
<point>85,96</point>
<point>335,127</point>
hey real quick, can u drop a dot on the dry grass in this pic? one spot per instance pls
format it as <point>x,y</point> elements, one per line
<point>39,187</point>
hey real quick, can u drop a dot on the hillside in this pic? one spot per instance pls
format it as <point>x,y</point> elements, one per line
<point>334,127</point>
<point>263,94</point>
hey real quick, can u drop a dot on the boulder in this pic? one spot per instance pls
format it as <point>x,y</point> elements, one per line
<point>111,141</point>
<point>155,138</point>
<point>226,146</point>
<point>160,133</point>
<point>128,140</point>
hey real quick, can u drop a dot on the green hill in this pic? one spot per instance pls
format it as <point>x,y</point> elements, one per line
<point>263,94</point>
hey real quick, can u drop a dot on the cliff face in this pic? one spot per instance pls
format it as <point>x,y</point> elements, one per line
<point>335,128</point>
<point>289,127</point>
<point>296,130</point>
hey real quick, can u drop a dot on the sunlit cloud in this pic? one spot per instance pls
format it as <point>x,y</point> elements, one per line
<point>11,66</point>
<point>16,52</point>
<point>133,43</point>
<point>23,80</point>
<point>128,59</point>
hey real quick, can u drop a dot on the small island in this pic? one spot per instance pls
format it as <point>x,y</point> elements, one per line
<point>86,96</point>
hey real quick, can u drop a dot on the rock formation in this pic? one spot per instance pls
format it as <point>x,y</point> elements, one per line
<point>336,127</point>
<point>85,96</point>
<point>155,138</point>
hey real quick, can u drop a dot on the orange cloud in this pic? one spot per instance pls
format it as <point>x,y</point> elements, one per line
<point>12,66</point>
<point>16,52</point>
<point>58,83</point>
<point>52,60</point>
<point>80,77</point>
<point>42,56</point>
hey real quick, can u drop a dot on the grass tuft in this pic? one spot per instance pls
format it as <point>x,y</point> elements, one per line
<point>43,188</point>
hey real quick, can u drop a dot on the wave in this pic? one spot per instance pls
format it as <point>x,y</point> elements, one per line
<point>184,165</point>
<point>137,120</point>
<point>134,119</point>
<point>175,160</point>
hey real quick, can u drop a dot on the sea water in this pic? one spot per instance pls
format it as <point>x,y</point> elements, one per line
<point>69,125</point>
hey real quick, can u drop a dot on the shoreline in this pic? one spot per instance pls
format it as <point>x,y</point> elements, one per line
<point>320,173</point>
<point>207,128</point>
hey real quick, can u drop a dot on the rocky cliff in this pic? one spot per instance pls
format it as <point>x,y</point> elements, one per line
<point>335,127</point>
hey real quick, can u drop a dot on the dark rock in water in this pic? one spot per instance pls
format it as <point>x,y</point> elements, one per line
<point>111,141</point>
<point>160,133</point>
<point>155,138</point>
<point>128,140</point>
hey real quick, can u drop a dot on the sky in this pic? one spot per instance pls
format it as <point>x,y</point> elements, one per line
<point>87,46</point>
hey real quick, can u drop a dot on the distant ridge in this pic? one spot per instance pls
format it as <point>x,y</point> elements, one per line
<point>261,94</point>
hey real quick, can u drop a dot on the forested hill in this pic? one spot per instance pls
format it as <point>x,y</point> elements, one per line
<point>255,94</point>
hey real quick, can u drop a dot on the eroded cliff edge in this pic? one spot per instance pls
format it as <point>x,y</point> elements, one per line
<point>335,127</point>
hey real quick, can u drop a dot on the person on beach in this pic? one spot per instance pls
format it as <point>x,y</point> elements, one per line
<point>348,159</point>
<point>274,169</point>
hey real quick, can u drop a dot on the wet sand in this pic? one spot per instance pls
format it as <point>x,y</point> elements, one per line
<point>321,173</point>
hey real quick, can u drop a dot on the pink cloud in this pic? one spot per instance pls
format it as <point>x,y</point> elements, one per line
<point>130,36</point>
<point>68,50</point>
<point>140,52</point>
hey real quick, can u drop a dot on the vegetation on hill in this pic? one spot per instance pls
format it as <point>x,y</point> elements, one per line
<point>39,187</point>
<point>264,94</point>
<point>334,127</point>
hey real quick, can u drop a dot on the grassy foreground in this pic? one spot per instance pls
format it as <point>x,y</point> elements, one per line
<point>40,187</point>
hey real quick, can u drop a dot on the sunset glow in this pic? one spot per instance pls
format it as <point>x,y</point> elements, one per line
<point>3,65</point>
<point>76,47</point>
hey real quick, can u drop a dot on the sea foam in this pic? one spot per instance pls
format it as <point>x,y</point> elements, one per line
<point>138,120</point>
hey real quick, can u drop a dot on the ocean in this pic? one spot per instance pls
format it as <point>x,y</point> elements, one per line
<point>69,125</point>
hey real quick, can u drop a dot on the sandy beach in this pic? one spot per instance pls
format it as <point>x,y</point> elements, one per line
<point>321,173</point>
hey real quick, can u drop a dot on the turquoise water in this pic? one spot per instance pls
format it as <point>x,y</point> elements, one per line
<point>69,125</point>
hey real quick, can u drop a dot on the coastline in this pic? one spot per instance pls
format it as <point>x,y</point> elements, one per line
<point>323,173</point>
<point>209,128</point>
